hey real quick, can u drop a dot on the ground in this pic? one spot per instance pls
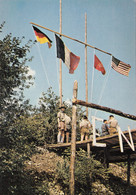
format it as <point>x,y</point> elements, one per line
<point>45,162</point>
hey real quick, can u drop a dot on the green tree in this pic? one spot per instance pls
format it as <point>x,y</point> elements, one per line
<point>15,147</point>
<point>49,107</point>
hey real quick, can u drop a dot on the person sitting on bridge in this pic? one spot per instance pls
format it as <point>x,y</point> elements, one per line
<point>85,125</point>
<point>61,124</point>
<point>104,128</point>
<point>113,123</point>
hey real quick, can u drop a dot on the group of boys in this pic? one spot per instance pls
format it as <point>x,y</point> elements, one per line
<point>64,126</point>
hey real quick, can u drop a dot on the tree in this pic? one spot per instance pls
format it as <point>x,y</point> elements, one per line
<point>14,147</point>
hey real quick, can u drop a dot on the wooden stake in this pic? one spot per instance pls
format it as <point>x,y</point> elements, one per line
<point>128,170</point>
<point>73,143</point>
<point>103,108</point>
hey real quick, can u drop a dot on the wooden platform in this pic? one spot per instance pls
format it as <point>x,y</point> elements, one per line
<point>112,150</point>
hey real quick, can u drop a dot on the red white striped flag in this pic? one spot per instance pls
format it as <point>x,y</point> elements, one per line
<point>120,66</point>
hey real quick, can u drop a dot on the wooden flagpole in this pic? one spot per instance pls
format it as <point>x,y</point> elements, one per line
<point>60,62</point>
<point>71,38</point>
<point>86,76</point>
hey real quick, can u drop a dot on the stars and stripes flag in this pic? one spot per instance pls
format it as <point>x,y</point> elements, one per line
<point>120,66</point>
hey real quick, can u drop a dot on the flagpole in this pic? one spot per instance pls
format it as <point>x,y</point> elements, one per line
<point>60,62</point>
<point>86,77</point>
<point>71,38</point>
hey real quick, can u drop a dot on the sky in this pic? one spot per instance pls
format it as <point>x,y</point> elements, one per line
<point>111,26</point>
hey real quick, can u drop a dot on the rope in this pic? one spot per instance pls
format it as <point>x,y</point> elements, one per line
<point>92,83</point>
<point>43,65</point>
<point>104,85</point>
<point>57,65</point>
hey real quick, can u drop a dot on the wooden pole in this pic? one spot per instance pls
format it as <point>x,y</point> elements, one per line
<point>73,143</point>
<point>71,38</point>
<point>128,170</point>
<point>86,78</point>
<point>103,108</point>
<point>60,62</point>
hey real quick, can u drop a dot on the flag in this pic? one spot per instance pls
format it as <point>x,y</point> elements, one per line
<point>70,59</point>
<point>120,66</point>
<point>98,65</point>
<point>41,37</point>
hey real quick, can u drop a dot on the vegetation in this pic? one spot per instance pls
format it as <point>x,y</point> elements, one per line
<point>87,170</point>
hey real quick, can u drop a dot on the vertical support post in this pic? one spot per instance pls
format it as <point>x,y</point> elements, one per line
<point>86,77</point>
<point>128,170</point>
<point>120,139</point>
<point>73,143</point>
<point>60,62</point>
<point>106,157</point>
<point>88,150</point>
<point>94,132</point>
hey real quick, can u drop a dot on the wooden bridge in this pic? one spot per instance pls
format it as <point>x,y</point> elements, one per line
<point>112,151</point>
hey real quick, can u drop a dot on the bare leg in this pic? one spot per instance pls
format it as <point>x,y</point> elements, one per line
<point>86,137</point>
<point>63,136</point>
<point>67,137</point>
<point>82,137</point>
<point>59,137</point>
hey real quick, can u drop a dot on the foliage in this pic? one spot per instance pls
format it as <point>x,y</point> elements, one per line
<point>133,166</point>
<point>87,170</point>
<point>16,143</point>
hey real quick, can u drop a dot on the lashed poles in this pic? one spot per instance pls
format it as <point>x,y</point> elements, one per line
<point>86,76</point>
<point>60,62</point>
<point>73,143</point>
<point>71,38</point>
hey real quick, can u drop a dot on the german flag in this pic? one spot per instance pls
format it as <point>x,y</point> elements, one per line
<point>41,37</point>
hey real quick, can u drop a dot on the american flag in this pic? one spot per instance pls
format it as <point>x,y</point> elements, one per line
<point>120,66</point>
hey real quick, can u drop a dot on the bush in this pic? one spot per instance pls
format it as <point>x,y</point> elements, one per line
<point>87,170</point>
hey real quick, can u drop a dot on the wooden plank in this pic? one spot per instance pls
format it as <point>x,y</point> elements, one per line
<point>109,139</point>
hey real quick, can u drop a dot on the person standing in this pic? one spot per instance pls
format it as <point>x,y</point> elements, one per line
<point>85,125</point>
<point>67,127</point>
<point>113,123</point>
<point>61,124</point>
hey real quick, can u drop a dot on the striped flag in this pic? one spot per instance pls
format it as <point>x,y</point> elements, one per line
<point>41,37</point>
<point>70,59</point>
<point>120,66</point>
